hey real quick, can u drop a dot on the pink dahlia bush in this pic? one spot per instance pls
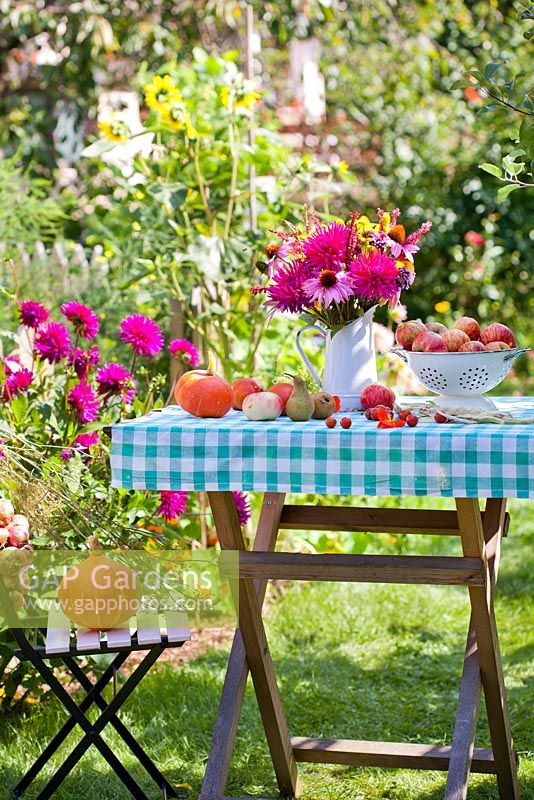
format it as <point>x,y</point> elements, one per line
<point>334,272</point>
<point>57,399</point>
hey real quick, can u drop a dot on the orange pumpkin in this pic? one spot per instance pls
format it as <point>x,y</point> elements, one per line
<point>203,394</point>
<point>99,593</point>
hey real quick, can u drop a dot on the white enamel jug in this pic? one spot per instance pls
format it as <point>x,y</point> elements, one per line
<point>350,360</point>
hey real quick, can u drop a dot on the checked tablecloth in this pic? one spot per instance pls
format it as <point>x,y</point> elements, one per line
<point>173,450</point>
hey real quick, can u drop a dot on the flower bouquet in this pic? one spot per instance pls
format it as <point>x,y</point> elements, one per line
<point>334,275</point>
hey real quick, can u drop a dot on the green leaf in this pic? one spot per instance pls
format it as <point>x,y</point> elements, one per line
<point>526,135</point>
<point>491,70</point>
<point>504,191</point>
<point>461,83</point>
<point>515,168</point>
<point>492,169</point>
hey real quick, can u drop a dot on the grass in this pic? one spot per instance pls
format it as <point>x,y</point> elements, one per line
<point>354,661</point>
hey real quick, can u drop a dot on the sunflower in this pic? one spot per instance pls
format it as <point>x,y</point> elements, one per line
<point>114,130</point>
<point>246,100</point>
<point>161,93</point>
<point>177,118</point>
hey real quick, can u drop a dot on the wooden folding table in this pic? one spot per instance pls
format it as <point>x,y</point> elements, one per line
<point>467,462</point>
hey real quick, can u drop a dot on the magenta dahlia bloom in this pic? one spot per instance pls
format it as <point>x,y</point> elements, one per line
<point>185,352</point>
<point>17,383</point>
<point>326,247</point>
<point>32,314</point>
<point>52,342</point>
<point>374,277</point>
<point>142,334</point>
<point>83,400</point>
<point>86,440</point>
<point>83,318</point>
<point>84,361</point>
<point>114,380</point>
<point>82,443</point>
<point>286,292</point>
<point>171,505</point>
<point>242,504</point>
<point>329,287</point>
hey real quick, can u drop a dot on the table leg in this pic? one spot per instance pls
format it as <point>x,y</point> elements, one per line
<point>463,742</point>
<point>225,730</point>
<point>258,655</point>
<point>474,545</point>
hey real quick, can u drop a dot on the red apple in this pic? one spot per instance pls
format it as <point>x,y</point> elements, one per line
<point>377,395</point>
<point>436,327</point>
<point>241,389</point>
<point>283,390</point>
<point>472,347</point>
<point>497,346</point>
<point>407,331</point>
<point>498,333</point>
<point>468,325</point>
<point>455,339</point>
<point>18,535</point>
<point>429,342</point>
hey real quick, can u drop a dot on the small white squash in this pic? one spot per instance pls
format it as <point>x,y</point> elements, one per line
<point>262,406</point>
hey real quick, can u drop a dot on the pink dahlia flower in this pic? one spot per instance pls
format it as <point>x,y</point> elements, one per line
<point>278,256</point>
<point>142,334</point>
<point>171,505</point>
<point>84,361</point>
<point>17,382</point>
<point>374,277</point>
<point>326,247</point>
<point>82,443</point>
<point>114,380</point>
<point>286,293</point>
<point>83,400</point>
<point>86,440</point>
<point>329,287</point>
<point>52,342</point>
<point>242,504</point>
<point>83,318</point>
<point>185,352</point>
<point>32,314</point>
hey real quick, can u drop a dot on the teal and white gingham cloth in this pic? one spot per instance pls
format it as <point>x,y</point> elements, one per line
<point>173,450</point>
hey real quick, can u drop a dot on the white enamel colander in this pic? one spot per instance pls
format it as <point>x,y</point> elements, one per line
<point>460,379</point>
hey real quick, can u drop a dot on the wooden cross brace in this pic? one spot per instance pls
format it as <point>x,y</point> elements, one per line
<point>481,534</point>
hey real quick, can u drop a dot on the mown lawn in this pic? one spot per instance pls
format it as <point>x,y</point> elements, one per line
<point>378,662</point>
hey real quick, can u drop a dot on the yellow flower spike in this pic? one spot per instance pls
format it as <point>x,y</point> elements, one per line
<point>442,307</point>
<point>386,221</point>
<point>342,167</point>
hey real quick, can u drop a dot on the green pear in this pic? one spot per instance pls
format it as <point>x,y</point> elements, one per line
<point>300,405</point>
